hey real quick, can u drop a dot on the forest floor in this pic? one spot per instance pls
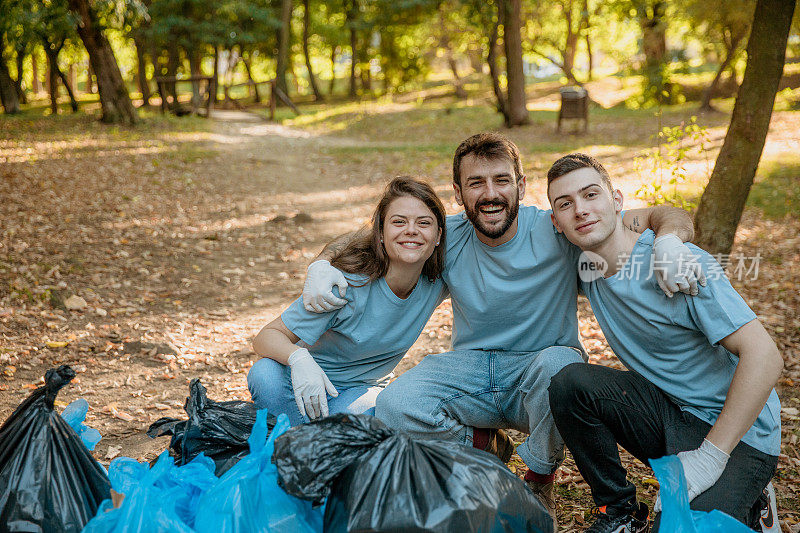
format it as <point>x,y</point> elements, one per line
<point>185,236</point>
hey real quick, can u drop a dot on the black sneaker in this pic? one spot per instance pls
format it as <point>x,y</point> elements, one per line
<point>631,522</point>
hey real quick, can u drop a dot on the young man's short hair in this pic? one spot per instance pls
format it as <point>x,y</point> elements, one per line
<point>570,162</point>
<point>487,146</point>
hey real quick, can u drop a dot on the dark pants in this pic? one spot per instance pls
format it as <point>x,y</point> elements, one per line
<point>596,407</point>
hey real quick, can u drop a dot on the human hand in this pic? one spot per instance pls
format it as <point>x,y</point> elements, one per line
<point>676,267</point>
<point>310,384</point>
<point>702,468</point>
<point>318,295</point>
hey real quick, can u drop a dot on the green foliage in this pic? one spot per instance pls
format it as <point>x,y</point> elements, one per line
<point>666,163</point>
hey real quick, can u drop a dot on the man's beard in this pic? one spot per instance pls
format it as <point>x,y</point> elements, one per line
<point>493,232</point>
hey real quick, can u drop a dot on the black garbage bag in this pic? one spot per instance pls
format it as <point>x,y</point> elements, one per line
<point>49,481</point>
<point>377,479</point>
<point>217,429</point>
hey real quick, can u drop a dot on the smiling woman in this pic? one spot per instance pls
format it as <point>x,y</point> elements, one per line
<point>315,364</point>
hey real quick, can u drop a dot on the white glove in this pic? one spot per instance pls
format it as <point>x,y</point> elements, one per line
<point>702,468</point>
<point>310,385</point>
<point>676,267</point>
<point>318,295</point>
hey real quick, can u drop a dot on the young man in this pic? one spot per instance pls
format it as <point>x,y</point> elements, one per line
<point>513,287</point>
<point>701,369</point>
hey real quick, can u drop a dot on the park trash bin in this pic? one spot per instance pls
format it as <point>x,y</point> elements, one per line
<point>574,104</point>
<point>247,497</point>
<point>676,516</point>
<point>218,429</point>
<point>378,479</point>
<point>50,482</point>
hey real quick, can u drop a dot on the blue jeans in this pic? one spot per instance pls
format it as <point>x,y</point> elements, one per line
<point>270,385</point>
<point>449,394</point>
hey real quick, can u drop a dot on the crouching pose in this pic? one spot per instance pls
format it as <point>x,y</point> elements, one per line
<point>701,369</point>
<point>345,357</point>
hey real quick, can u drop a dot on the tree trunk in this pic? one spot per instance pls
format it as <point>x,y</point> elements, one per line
<point>36,83</point>
<point>52,78</point>
<point>23,98</point>
<point>194,70</point>
<point>654,34</point>
<point>724,198</point>
<point>351,15</point>
<point>284,33</point>
<point>333,71</point>
<point>494,69</point>
<point>72,102</point>
<point>708,94</point>
<point>590,57</point>
<point>215,77</point>
<point>173,64</point>
<point>141,70</point>
<point>89,78</point>
<point>517,108</point>
<point>366,76</point>
<point>8,95</point>
<point>114,99</point>
<point>311,78</point>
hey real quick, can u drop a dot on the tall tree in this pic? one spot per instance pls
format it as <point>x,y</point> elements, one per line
<point>8,94</point>
<point>517,103</point>
<point>723,26</point>
<point>306,52</point>
<point>115,102</point>
<point>284,36</point>
<point>724,198</point>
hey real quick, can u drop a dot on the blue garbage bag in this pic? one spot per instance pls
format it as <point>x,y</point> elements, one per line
<point>74,414</point>
<point>151,502</point>
<point>676,516</point>
<point>247,497</point>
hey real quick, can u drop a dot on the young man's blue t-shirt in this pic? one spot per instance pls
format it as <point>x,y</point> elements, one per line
<point>674,342</point>
<point>361,343</point>
<point>520,296</point>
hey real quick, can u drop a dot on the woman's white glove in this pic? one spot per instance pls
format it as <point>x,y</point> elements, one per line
<point>310,385</point>
<point>702,467</point>
<point>318,295</point>
<point>676,267</point>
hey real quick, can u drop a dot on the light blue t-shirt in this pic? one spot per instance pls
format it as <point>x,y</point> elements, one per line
<point>674,342</point>
<point>361,343</point>
<point>520,296</point>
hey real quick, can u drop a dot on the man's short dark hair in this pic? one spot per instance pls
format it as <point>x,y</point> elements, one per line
<point>487,146</point>
<point>570,162</point>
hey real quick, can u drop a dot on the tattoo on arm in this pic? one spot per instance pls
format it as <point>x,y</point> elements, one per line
<point>636,225</point>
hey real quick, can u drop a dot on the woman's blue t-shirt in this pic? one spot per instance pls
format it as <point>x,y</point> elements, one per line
<point>362,342</point>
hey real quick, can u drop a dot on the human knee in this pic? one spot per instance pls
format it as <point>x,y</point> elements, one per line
<point>389,404</point>
<point>265,376</point>
<point>551,361</point>
<point>567,383</point>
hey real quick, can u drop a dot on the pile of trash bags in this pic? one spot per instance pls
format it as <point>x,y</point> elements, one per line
<point>231,468</point>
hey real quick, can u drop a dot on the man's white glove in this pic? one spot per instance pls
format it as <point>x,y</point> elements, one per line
<point>676,267</point>
<point>318,295</point>
<point>310,385</point>
<point>702,468</point>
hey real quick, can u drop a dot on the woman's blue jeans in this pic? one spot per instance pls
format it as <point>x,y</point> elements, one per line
<point>270,385</point>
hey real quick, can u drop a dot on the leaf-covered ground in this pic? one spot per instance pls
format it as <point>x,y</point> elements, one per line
<point>182,237</point>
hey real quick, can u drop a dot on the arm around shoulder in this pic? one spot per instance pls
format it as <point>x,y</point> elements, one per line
<point>662,219</point>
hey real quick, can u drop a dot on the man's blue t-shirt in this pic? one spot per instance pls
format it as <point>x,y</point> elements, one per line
<point>674,342</point>
<point>362,342</point>
<point>520,296</point>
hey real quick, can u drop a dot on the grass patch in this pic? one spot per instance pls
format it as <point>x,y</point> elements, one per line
<point>776,191</point>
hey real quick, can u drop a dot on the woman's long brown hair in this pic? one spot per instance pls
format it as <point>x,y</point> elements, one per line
<point>366,255</point>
